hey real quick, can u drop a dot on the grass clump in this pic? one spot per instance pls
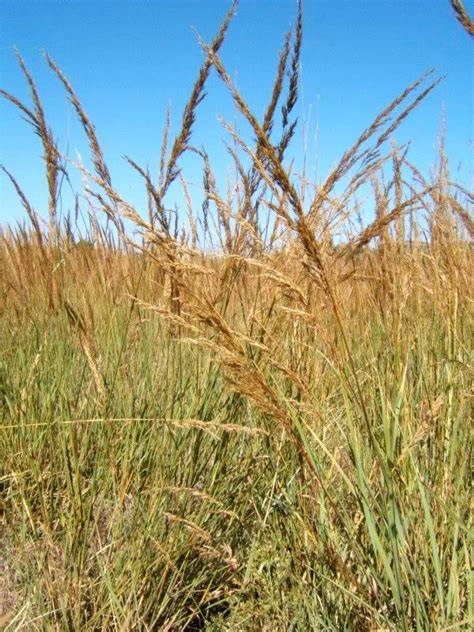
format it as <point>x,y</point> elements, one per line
<point>255,416</point>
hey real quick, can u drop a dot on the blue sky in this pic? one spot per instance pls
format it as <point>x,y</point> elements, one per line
<point>128,59</point>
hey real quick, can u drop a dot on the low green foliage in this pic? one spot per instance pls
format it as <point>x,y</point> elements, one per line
<point>231,423</point>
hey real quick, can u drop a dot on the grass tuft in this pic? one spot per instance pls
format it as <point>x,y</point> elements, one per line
<point>256,414</point>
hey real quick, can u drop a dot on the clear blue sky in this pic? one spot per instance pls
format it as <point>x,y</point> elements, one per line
<point>127,59</point>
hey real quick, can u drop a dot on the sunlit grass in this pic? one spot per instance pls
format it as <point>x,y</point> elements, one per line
<point>276,436</point>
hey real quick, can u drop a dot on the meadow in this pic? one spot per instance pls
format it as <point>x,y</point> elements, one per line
<point>252,415</point>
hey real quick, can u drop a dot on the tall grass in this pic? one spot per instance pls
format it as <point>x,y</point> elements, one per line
<point>255,416</point>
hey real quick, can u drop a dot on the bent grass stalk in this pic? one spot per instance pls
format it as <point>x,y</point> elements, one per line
<point>272,434</point>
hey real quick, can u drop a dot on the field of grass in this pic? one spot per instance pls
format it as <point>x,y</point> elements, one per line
<point>256,419</point>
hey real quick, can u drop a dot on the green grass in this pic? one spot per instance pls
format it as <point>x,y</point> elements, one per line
<point>257,419</point>
<point>134,521</point>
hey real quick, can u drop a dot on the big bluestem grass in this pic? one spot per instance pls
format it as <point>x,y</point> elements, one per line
<point>257,417</point>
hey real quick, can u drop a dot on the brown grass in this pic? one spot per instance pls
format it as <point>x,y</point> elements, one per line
<point>315,363</point>
<point>463,16</point>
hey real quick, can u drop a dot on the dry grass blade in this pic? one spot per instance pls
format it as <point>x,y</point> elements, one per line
<point>197,95</point>
<point>32,215</point>
<point>378,226</point>
<point>267,125</point>
<point>210,427</point>
<point>159,212</point>
<point>252,181</point>
<point>193,527</point>
<point>404,114</point>
<point>352,156</point>
<point>295,62</point>
<point>268,448</point>
<point>51,153</point>
<point>98,158</point>
<point>90,351</point>
<point>463,16</point>
<point>268,152</point>
<point>464,215</point>
<point>289,129</point>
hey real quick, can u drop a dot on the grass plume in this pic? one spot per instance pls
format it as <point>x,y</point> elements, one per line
<point>253,414</point>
